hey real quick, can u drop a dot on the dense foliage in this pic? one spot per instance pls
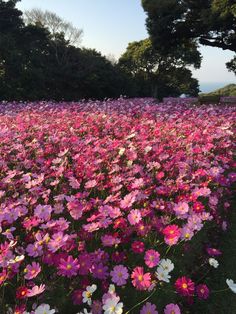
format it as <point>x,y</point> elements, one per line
<point>182,25</point>
<point>38,64</point>
<point>158,75</point>
<point>101,201</point>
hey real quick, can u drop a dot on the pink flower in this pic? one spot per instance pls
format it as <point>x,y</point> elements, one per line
<point>57,241</point>
<point>43,212</point>
<point>134,217</point>
<point>68,267</point>
<point>32,271</point>
<point>90,184</point>
<point>202,291</point>
<point>36,290</point>
<point>149,308</point>
<point>185,286</point>
<point>119,275</point>
<point>109,240</point>
<point>181,208</point>
<point>172,309</point>
<point>151,258</point>
<point>140,280</point>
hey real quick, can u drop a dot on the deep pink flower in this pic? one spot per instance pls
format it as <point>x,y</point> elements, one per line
<point>140,280</point>
<point>202,291</point>
<point>185,286</point>
<point>151,258</point>
<point>68,267</point>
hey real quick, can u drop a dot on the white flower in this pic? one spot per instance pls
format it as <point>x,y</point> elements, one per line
<point>44,309</point>
<point>162,275</point>
<point>87,295</point>
<point>231,285</point>
<point>112,289</point>
<point>121,151</point>
<point>112,306</point>
<point>166,265</point>
<point>213,262</point>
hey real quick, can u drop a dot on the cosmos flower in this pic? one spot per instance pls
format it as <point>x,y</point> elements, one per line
<point>172,309</point>
<point>149,308</point>
<point>231,285</point>
<point>119,275</point>
<point>113,306</point>
<point>151,258</point>
<point>87,295</point>
<point>68,267</point>
<point>185,286</point>
<point>140,280</point>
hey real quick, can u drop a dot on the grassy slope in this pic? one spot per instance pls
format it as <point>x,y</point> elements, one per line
<point>228,90</point>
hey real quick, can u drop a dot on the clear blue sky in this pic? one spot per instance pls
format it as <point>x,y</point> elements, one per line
<point>109,25</point>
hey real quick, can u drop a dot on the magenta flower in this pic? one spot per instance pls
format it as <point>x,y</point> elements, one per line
<point>68,267</point>
<point>119,275</point>
<point>100,271</point>
<point>149,308</point>
<point>151,258</point>
<point>172,309</point>
<point>32,271</point>
<point>202,291</point>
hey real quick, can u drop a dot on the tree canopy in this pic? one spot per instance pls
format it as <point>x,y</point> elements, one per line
<point>180,24</point>
<point>158,75</point>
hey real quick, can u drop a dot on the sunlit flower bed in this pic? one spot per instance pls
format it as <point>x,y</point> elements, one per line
<point>111,207</point>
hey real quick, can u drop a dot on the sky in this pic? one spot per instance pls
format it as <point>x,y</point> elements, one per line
<point>109,25</point>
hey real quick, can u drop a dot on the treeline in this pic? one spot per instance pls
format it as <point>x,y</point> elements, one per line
<point>37,62</point>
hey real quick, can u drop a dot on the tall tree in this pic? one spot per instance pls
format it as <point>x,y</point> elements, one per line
<point>55,25</point>
<point>178,24</point>
<point>157,75</point>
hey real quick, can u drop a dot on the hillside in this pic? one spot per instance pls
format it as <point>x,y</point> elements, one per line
<point>228,90</point>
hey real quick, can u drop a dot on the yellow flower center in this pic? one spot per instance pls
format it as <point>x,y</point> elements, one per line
<point>69,266</point>
<point>140,277</point>
<point>184,286</point>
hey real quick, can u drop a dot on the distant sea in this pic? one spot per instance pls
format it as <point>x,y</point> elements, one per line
<point>210,87</point>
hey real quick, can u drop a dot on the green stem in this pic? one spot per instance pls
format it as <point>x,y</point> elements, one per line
<point>136,305</point>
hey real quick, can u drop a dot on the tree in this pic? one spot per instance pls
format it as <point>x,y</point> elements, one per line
<point>232,65</point>
<point>178,24</point>
<point>55,25</point>
<point>157,75</point>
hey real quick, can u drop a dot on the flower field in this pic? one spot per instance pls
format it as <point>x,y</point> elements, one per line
<point>112,207</point>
